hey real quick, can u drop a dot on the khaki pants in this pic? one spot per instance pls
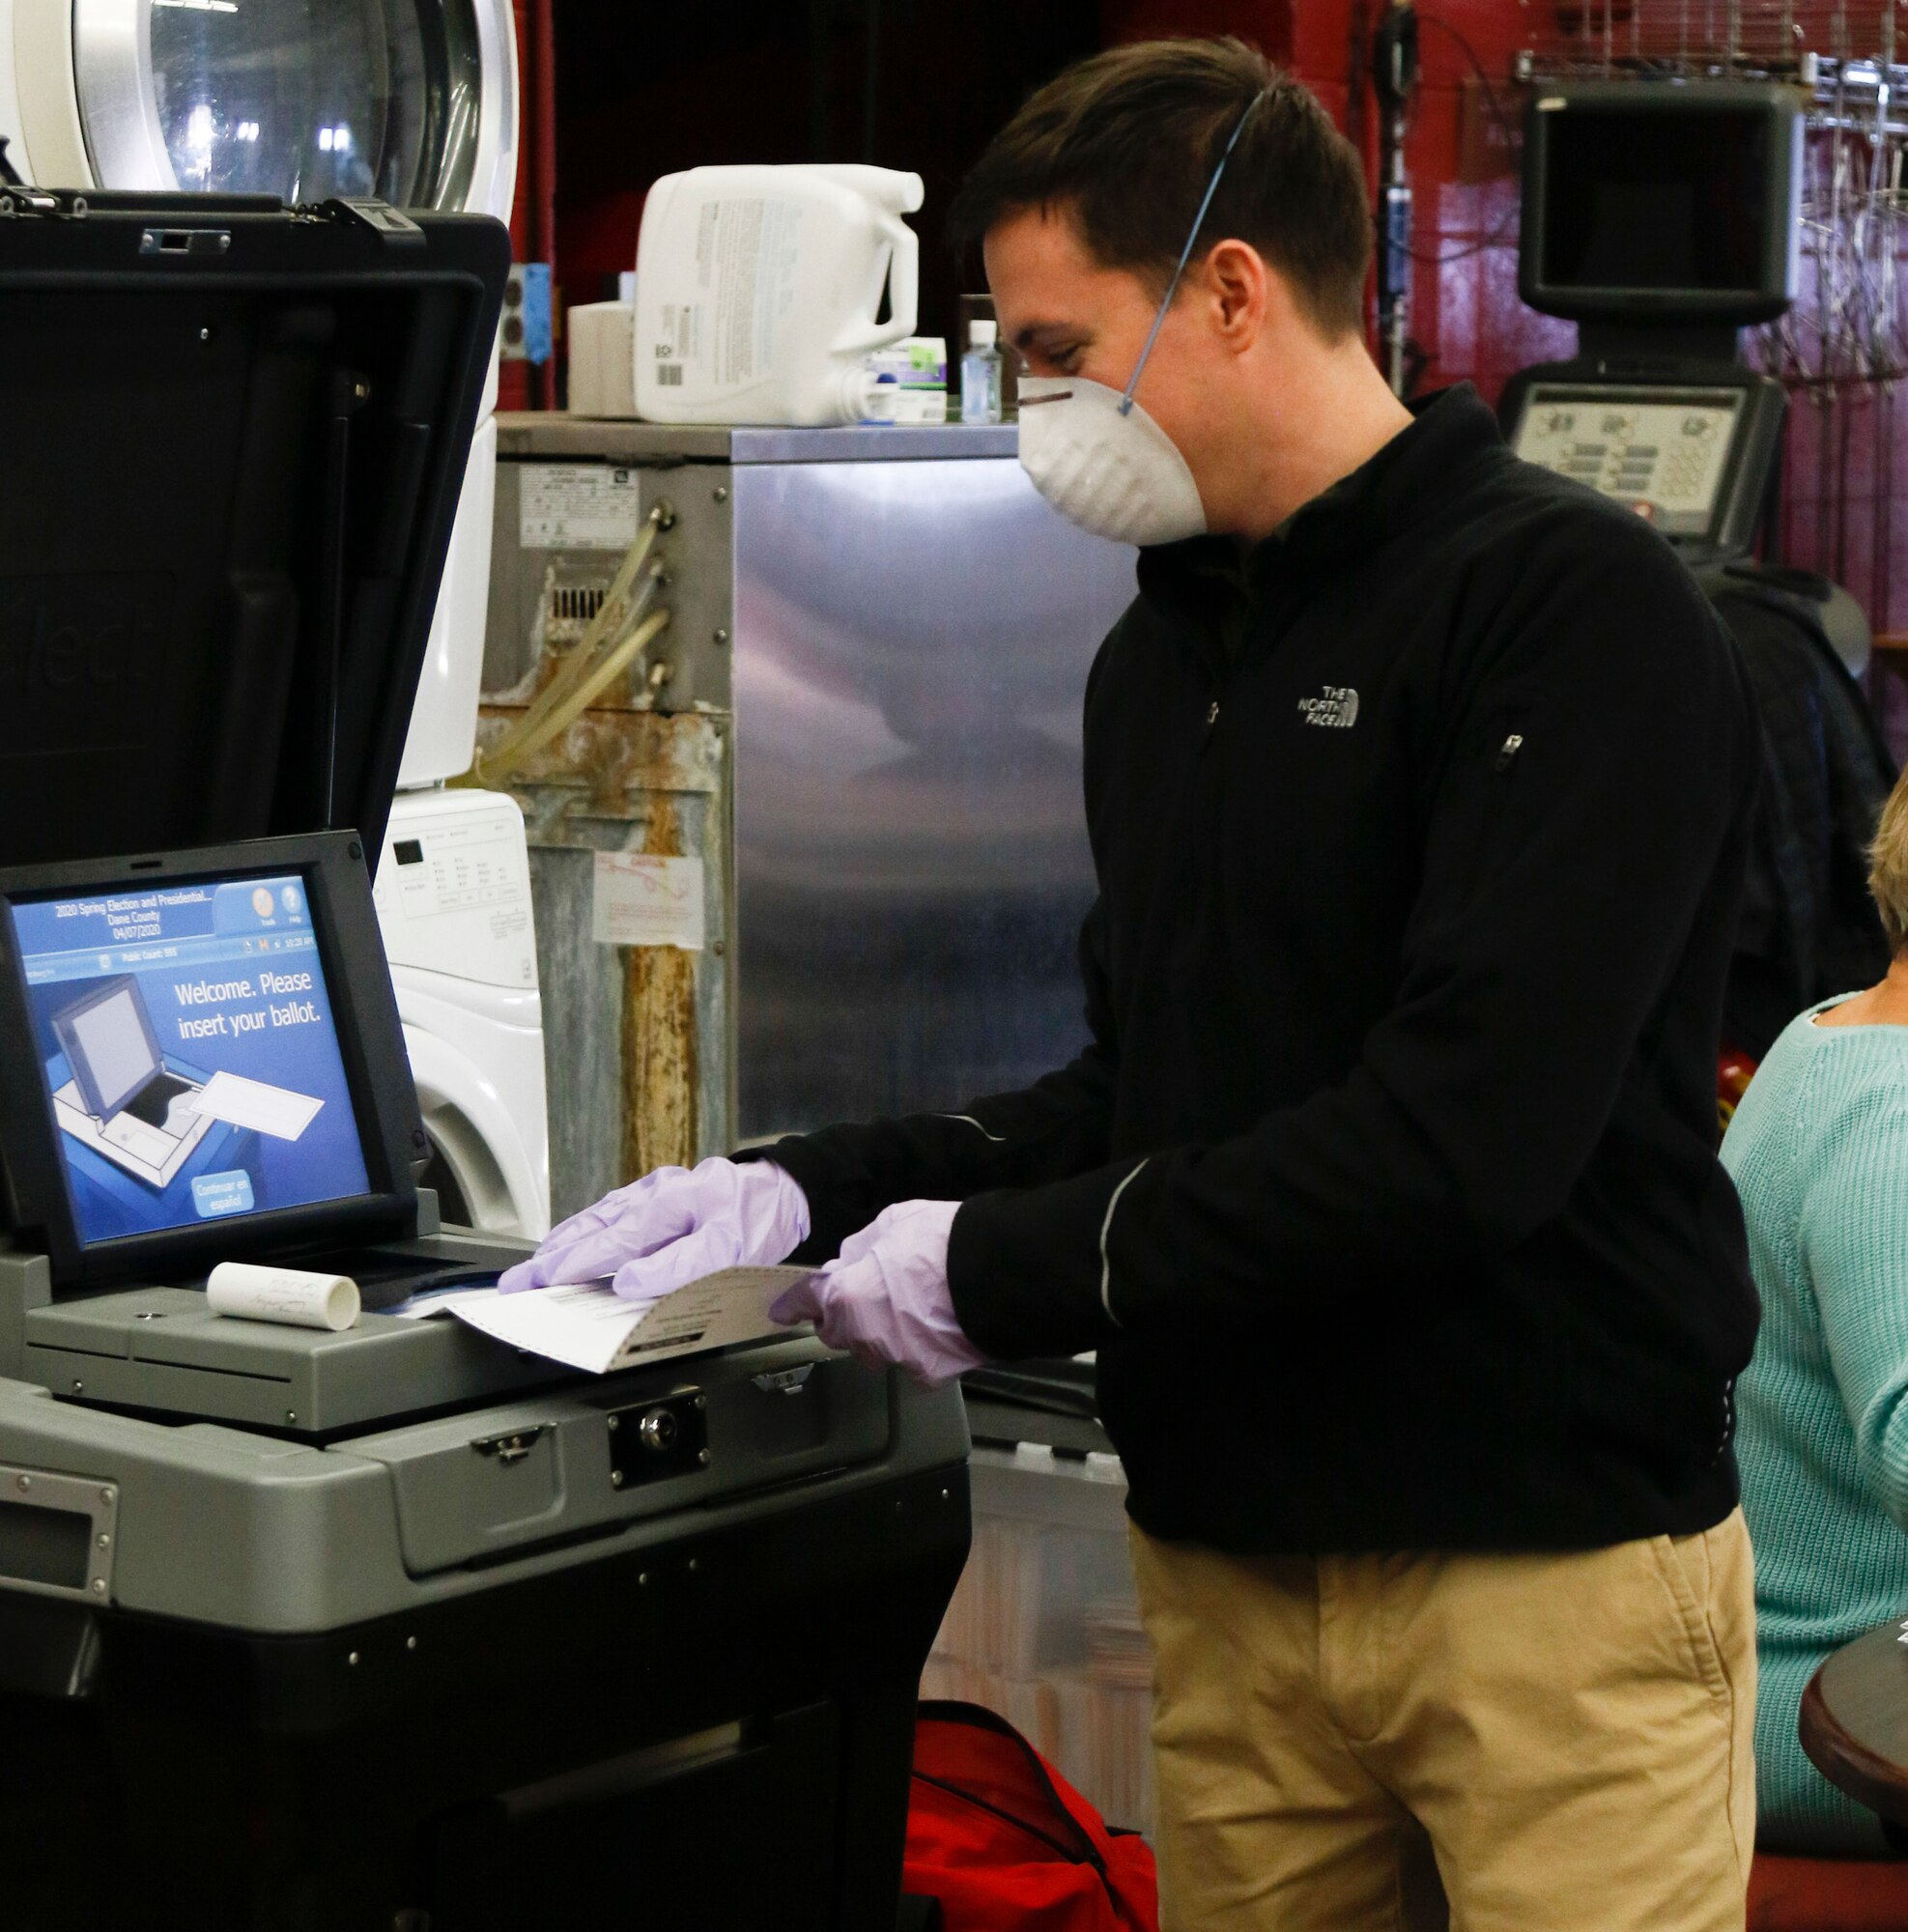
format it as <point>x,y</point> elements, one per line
<point>1496,1744</point>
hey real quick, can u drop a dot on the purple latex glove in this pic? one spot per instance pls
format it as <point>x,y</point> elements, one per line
<point>886,1299</point>
<point>670,1227</point>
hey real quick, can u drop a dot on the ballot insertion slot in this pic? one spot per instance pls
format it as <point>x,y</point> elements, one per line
<point>57,1534</point>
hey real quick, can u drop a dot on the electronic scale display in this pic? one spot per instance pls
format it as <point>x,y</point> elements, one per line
<point>187,1043</point>
<point>1666,456</point>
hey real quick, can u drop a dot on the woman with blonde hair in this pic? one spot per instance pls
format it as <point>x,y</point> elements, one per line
<point>1818,1150</point>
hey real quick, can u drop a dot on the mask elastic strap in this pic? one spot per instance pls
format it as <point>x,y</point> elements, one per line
<point>1185,255</point>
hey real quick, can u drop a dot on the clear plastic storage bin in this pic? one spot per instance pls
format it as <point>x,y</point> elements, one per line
<point>1044,1626</point>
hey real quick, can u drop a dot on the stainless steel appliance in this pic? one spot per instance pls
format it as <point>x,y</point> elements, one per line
<point>862,723</point>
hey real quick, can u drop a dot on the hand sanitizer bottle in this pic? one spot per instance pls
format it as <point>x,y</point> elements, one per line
<point>981,374</point>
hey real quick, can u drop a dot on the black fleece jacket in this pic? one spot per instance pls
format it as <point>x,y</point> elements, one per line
<point>1386,1188</point>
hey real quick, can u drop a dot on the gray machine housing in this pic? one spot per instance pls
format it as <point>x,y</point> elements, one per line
<point>271,1484</point>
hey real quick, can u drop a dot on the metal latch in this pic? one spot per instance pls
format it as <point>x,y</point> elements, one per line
<point>377,215</point>
<point>513,1445</point>
<point>785,1382</point>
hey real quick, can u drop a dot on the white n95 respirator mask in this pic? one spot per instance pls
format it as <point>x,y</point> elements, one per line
<point>1097,456</point>
<point>1117,474</point>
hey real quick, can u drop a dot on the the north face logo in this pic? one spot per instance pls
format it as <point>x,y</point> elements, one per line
<point>1336,708</point>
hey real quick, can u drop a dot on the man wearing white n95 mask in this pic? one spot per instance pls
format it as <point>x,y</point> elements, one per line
<point>1418,784</point>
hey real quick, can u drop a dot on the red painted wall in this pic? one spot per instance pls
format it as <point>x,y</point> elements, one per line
<point>751,87</point>
<point>1466,315</point>
<point>768,81</point>
<point>1847,456</point>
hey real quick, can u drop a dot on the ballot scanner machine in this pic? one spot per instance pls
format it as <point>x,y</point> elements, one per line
<point>391,1628</point>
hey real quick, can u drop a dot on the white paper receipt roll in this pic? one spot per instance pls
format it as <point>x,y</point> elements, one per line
<point>255,1292</point>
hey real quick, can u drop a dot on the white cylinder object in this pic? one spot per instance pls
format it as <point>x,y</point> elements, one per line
<point>255,1292</point>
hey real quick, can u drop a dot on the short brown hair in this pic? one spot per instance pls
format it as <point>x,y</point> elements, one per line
<point>1887,866</point>
<point>1128,141</point>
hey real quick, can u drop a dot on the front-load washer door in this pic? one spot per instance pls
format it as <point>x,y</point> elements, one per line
<point>411,100</point>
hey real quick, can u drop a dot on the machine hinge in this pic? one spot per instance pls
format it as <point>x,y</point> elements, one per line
<point>19,198</point>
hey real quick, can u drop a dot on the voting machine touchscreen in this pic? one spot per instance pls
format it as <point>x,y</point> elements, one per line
<point>199,1053</point>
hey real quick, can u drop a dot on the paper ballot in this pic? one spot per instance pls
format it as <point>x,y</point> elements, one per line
<point>591,1326</point>
<point>252,1103</point>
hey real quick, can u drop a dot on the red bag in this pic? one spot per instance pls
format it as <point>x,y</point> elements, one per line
<point>1007,1844</point>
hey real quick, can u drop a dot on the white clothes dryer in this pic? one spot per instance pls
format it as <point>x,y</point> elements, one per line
<point>453,897</point>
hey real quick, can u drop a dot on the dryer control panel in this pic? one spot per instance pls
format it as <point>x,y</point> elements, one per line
<point>453,890</point>
<point>1664,458</point>
<point>1693,458</point>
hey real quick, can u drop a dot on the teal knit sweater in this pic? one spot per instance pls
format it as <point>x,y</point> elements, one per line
<point>1819,1154</point>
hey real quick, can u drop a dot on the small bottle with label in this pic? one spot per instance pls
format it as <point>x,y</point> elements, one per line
<point>981,374</point>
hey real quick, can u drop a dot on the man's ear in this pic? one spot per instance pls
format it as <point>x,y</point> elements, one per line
<point>1239,288</point>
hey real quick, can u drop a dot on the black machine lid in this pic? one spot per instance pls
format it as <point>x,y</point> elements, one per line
<point>232,438</point>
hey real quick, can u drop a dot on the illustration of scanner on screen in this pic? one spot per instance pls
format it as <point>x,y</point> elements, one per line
<point>125,1103</point>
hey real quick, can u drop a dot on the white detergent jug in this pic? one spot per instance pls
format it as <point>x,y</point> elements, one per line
<point>757,288</point>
